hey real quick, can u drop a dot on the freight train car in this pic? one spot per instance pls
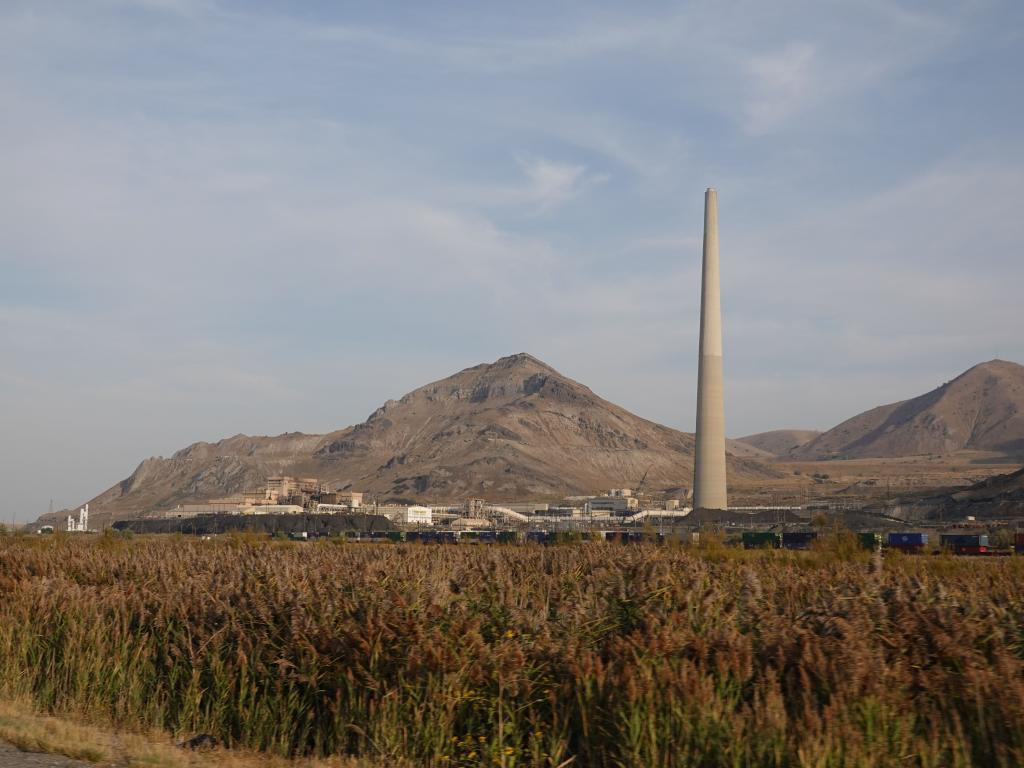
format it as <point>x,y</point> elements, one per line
<point>911,543</point>
<point>633,537</point>
<point>432,537</point>
<point>964,543</point>
<point>798,539</point>
<point>761,540</point>
<point>870,541</point>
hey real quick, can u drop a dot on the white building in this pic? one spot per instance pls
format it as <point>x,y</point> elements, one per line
<point>526,507</point>
<point>332,509</point>
<point>417,515</point>
<point>616,505</point>
<point>413,515</point>
<point>472,524</point>
<point>572,512</point>
<point>275,509</point>
<point>82,524</point>
<point>353,499</point>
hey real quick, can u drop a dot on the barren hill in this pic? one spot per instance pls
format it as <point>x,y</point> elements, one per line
<point>515,428</point>
<point>998,497</point>
<point>982,409</point>
<point>779,442</point>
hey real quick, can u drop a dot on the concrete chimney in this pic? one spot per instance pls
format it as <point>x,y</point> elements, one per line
<point>709,459</point>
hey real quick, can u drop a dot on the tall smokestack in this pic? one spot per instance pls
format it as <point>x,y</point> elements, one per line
<point>709,460</point>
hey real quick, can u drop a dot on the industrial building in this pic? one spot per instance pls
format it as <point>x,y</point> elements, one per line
<point>341,499</point>
<point>616,505</point>
<point>275,509</point>
<point>289,496</point>
<point>281,495</point>
<point>405,515</point>
<point>290,490</point>
<point>82,524</point>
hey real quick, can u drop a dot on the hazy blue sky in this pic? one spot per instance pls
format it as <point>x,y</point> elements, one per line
<point>221,217</point>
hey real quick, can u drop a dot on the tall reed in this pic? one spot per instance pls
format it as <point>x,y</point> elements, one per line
<point>609,655</point>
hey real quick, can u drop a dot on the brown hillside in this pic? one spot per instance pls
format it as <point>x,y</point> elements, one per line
<point>515,428</point>
<point>982,409</point>
<point>779,442</point>
<point>1000,497</point>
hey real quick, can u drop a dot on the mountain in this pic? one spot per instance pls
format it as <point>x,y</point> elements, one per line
<point>779,442</point>
<point>999,497</point>
<point>982,409</point>
<point>512,429</point>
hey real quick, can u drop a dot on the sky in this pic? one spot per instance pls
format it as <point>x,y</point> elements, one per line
<point>220,216</point>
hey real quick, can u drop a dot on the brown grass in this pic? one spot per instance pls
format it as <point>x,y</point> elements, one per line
<point>30,731</point>
<point>603,655</point>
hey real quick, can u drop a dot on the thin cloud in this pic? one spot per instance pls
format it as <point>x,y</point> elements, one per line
<point>782,83</point>
<point>382,201</point>
<point>550,183</point>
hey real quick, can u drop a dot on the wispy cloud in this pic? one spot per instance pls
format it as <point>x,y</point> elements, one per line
<point>782,82</point>
<point>550,183</point>
<point>201,193</point>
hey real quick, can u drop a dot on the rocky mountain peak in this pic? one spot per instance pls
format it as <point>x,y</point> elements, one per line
<point>512,429</point>
<point>982,409</point>
<point>505,380</point>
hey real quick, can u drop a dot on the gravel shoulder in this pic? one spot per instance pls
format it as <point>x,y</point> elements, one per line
<point>12,757</point>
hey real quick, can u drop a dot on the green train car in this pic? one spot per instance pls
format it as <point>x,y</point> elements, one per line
<point>762,540</point>
<point>870,541</point>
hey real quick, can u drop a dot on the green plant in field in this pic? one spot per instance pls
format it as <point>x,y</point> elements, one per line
<point>524,655</point>
<point>1002,538</point>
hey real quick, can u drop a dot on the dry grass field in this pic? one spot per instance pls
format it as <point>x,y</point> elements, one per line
<point>585,655</point>
<point>85,742</point>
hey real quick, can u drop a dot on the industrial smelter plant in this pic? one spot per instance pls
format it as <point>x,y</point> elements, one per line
<point>308,508</point>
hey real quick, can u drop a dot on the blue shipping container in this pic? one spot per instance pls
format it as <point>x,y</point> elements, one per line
<point>798,539</point>
<point>908,539</point>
